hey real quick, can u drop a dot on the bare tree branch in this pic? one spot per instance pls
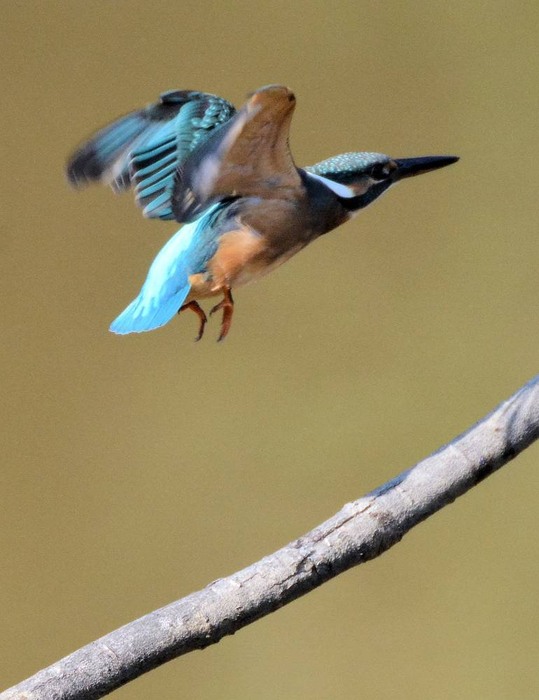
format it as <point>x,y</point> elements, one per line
<point>361,531</point>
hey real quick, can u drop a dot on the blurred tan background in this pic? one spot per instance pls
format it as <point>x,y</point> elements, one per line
<point>136,470</point>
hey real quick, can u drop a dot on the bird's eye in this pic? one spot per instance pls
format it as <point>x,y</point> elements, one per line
<point>380,171</point>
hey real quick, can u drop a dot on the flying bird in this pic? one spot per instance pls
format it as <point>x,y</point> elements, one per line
<point>228,176</point>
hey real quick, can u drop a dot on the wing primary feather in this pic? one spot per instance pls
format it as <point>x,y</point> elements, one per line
<point>160,171</point>
<point>159,207</point>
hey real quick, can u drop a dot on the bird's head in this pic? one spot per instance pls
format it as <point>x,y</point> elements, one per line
<point>360,178</point>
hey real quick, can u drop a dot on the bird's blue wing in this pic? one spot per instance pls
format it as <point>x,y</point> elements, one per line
<point>154,163</point>
<point>144,148</point>
<point>167,283</point>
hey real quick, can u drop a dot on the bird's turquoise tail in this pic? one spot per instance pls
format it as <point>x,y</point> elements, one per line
<point>164,291</point>
<point>167,284</point>
<point>145,313</point>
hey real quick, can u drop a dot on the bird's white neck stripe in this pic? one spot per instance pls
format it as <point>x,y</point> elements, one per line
<point>339,189</point>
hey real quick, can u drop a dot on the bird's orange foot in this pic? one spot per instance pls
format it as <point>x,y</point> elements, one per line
<point>203,319</point>
<point>227,306</point>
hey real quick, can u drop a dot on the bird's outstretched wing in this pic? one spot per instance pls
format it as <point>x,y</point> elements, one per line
<point>143,149</point>
<point>248,156</point>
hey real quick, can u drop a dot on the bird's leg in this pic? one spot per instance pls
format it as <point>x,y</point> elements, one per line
<point>227,305</point>
<point>194,306</point>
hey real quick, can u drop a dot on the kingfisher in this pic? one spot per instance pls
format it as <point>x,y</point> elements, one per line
<point>229,177</point>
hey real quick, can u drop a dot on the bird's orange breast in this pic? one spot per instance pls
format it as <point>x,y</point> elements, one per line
<point>238,260</point>
<point>262,237</point>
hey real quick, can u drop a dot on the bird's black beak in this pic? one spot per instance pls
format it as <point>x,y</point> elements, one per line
<point>406,167</point>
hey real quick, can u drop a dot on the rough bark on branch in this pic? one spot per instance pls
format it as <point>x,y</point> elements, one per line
<point>361,531</point>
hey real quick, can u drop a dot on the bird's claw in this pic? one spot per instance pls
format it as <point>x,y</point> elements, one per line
<point>226,305</point>
<point>203,319</point>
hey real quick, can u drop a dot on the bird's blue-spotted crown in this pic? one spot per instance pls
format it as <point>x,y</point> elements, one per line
<point>347,167</point>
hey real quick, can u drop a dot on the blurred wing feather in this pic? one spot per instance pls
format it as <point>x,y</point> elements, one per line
<point>144,148</point>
